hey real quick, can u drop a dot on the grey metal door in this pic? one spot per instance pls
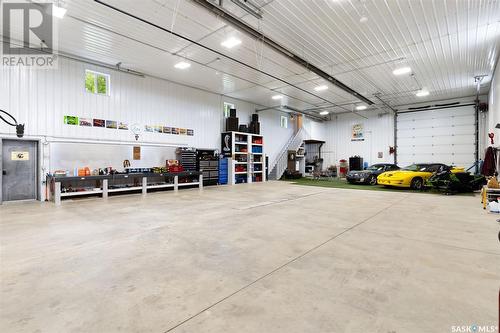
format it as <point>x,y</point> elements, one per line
<point>19,170</point>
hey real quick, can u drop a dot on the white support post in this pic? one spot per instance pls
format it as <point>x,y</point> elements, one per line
<point>230,174</point>
<point>57,193</point>
<point>144,185</point>
<point>263,159</point>
<point>200,180</point>
<point>250,163</point>
<point>105,189</point>
<point>176,183</point>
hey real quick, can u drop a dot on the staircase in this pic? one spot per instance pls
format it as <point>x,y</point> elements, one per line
<point>280,164</point>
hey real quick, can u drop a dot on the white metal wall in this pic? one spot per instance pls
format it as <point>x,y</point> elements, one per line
<point>41,99</point>
<point>443,135</point>
<point>378,133</point>
<point>494,106</point>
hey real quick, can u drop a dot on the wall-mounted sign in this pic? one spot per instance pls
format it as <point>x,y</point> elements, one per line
<point>226,145</point>
<point>357,132</point>
<point>137,153</point>
<point>20,156</point>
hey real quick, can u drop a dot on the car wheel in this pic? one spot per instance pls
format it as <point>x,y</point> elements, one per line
<point>417,184</point>
<point>372,180</point>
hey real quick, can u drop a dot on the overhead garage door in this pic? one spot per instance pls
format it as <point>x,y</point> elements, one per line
<point>443,135</point>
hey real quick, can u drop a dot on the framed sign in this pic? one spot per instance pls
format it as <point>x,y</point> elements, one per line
<point>226,144</point>
<point>357,132</point>
<point>137,153</point>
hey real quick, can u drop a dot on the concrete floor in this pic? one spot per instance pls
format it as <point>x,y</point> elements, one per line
<point>268,258</point>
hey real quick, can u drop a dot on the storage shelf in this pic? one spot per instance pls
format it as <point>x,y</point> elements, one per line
<point>160,186</point>
<point>239,167</point>
<point>133,188</point>
<point>77,193</point>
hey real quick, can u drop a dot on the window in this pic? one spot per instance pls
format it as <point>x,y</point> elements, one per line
<point>227,107</point>
<point>284,122</point>
<point>97,83</point>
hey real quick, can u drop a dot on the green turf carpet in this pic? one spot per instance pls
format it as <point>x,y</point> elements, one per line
<point>341,183</point>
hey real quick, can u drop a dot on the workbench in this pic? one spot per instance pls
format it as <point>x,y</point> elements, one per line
<point>103,185</point>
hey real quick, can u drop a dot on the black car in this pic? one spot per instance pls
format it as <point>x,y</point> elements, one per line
<point>369,176</point>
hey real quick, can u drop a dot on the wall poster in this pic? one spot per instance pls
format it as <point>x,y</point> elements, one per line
<point>70,120</point>
<point>99,123</point>
<point>357,132</point>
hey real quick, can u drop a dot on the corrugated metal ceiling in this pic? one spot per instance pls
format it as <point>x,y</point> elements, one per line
<point>445,42</point>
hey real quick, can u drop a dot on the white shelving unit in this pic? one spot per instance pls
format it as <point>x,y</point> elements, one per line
<point>246,158</point>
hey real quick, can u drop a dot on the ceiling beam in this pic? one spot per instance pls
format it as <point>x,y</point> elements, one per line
<point>242,26</point>
<point>289,109</point>
<point>249,7</point>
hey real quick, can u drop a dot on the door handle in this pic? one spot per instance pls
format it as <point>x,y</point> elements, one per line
<point>4,172</point>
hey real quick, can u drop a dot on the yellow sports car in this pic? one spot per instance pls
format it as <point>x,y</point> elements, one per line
<point>414,176</point>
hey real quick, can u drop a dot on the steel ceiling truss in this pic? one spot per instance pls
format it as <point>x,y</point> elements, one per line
<point>244,27</point>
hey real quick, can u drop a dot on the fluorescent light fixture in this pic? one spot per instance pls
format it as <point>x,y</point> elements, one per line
<point>182,65</point>
<point>321,88</point>
<point>231,42</point>
<point>401,71</point>
<point>324,113</point>
<point>58,12</point>
<point>277,97</point>
<point>422,93</point>
<point>361,107</point>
